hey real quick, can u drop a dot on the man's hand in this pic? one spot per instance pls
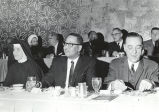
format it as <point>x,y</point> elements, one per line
<point>146,84</point>
<point>117,85</point>
<point>115,54</point>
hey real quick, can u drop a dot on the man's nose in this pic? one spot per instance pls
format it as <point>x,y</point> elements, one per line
<point>134,51</point>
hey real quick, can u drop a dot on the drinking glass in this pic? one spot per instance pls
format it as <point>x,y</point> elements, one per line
<point>82,89</point>
<point>32,82</point>
<point>96,84</point>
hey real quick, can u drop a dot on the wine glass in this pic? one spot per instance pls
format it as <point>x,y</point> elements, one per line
<point>96,84</point>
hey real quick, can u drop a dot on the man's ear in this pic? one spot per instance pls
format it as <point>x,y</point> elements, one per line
<point>143,52</point>
<point>80,48</point>
<point>121,34</point>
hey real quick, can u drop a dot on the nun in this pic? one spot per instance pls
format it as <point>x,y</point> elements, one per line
<point>24,65</point>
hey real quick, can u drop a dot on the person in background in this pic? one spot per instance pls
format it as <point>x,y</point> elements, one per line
<point>55,45</point>
<point>116,46</point>
<point>73,68</point>
<point>101,44</point>
<point>149,45</point>
<point>90,48</point>
<point>125,33</point>
<point>156,49</point>
<point>23,67</point>
<point>32,40</point>
<point>37,51</point>
<point>133,71</point>
<point>9,53</point>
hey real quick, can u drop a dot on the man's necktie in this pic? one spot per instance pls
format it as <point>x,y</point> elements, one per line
<point>118,45</point>
<point>71,73</point>
<point>132,69</point>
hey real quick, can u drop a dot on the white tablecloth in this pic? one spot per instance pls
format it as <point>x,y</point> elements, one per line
<point>106,59</point>
<point>30,102</point>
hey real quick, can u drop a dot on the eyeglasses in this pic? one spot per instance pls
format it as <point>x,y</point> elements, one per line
<point>115,34</point>
<point>70,44</point>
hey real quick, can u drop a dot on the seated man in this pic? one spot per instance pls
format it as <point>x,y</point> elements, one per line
<point>150,45</point>
<point>55,45</point>
<point>94,46</point>
<point>116,46</point>
<point>71,69</point>
<point>133,71</point>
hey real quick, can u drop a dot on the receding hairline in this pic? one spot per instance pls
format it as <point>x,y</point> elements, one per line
<point>78,37</point>
<point>135,37</point>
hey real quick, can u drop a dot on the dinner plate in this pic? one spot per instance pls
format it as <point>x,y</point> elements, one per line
<point>18,85</point>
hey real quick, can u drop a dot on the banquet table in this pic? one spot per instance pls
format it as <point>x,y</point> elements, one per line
<point>22,101</point>
<point>106,59</point>
<point>3,69</point>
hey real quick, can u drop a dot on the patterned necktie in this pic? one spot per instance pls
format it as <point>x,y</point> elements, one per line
<point>132,69</point>
<point>71,73</point>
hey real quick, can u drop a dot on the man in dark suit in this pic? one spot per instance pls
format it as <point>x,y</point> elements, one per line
<point>133,71</point>
<point>61,72</point>
<point>95,45</point>
<point>56,46</point>
<point>116,46</point>
<point>90,48</point>
<point>149,45</point>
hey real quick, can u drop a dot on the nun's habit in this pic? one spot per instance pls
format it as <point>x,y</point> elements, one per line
<point>24,65</point>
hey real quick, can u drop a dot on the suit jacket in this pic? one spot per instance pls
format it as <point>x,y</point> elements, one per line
<point>112,46</point>
<point>119,69</point>
<point>60,50</point>
<point>94,48</point>
<point>149,47</point>
<point>84,71</point>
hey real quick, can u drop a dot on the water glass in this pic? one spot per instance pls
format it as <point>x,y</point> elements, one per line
<point>82,90</point>
<point>96,84</point>
<point>32,82</point>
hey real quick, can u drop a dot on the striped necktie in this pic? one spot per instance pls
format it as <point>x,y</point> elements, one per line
<point>132,68</point>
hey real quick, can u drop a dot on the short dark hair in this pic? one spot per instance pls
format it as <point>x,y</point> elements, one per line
<point>90,33</point>
<point>135,35</point>
<point>78,37</point>
<point>154,28</point>
<point>117,29</point>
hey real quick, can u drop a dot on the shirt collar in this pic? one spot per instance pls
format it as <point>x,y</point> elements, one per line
<point>74,60</point>
<point>135,65</point>
<point>120,43</point>
<point>56,47</point>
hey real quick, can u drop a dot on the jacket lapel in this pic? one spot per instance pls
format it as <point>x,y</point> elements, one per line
<point>125,68</point>
<point>138,72</point>
<point>64,69</point>
<point>77,69</point>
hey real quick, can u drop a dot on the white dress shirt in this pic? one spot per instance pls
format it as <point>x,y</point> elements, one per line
<point>56,48</point>
<point>68,70</point>
<point>120,43</point>
<point>135,65</point>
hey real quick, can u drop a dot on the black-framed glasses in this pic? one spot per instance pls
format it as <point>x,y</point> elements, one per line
<point>115,34</point>
<point>70,44</point>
